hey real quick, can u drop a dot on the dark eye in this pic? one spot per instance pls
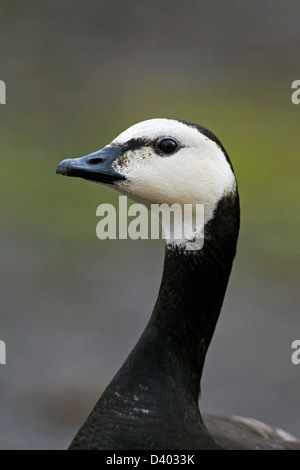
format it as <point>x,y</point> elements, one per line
<point>167,145</point>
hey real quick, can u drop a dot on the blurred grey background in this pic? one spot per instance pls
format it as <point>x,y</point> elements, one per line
<point>72,307</point>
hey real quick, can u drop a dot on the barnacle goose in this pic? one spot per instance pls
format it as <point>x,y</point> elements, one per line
<point>152,402</point>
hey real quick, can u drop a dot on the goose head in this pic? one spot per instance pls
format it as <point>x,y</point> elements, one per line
<point>161,161</point>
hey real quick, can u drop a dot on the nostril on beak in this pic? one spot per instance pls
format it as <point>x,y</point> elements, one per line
<point>95,161</point>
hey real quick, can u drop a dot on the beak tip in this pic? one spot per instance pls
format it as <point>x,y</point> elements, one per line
<point>62,168</point>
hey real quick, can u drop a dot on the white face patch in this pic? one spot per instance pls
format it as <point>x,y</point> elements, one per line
<point>197,173</point>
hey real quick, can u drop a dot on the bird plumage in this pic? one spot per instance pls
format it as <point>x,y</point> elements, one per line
<point>152,402</point>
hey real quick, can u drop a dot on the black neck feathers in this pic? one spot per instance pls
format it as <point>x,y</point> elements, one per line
<point>152,402</point>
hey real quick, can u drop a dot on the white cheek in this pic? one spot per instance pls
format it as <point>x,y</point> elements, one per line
<point>198,173</point>
<point>188,177</point>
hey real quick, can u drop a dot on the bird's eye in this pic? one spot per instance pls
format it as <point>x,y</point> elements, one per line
<point>167,145</point>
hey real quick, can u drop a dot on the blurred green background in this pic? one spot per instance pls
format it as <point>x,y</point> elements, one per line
<point>72,307</point>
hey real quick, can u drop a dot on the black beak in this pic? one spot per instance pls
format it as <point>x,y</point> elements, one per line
<point>96,166</point>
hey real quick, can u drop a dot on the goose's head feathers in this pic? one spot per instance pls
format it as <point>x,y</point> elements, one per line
<point>161,161</point>
<point>169,161</point>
